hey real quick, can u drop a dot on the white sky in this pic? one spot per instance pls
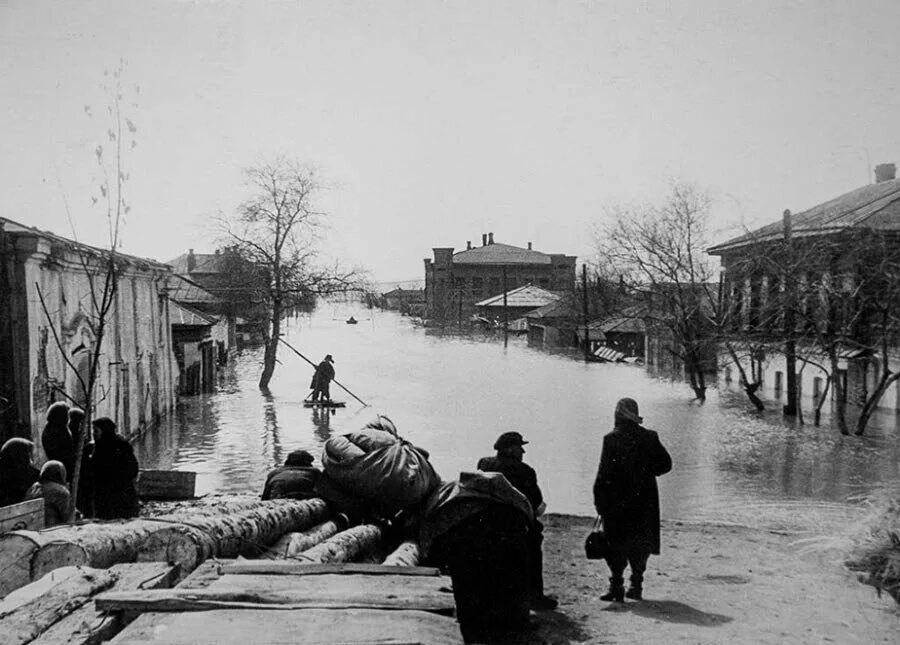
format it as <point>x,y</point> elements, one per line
<point>438,121</point>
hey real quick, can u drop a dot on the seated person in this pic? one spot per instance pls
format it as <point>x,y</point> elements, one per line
<point>51,486</point>
<point>295,480</point>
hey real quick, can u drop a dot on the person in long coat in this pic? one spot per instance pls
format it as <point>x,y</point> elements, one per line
<point>17,474</point>
<point>321,380</point>
<point>51,486</point>
<point>115,471</point>
<point>626,497</point>
<point>56,438</point>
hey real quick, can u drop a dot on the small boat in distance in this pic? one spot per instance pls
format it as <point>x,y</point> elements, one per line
<point>351,320</point>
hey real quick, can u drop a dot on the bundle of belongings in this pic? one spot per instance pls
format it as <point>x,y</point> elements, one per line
<point>373,472</point>
<point>476,529</point>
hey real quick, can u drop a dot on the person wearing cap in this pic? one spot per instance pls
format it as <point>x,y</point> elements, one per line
<point>322,379</point>
<point>626,497</point>
<point>509,462</point>
<point>295,480</point>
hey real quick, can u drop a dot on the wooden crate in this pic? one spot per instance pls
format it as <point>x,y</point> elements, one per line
<point>166,484</point>
<point>24,515</point>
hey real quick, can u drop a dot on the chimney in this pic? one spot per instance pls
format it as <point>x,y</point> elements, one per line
<point>529,246</point>
<point>885,172</point>
<point>484,239</point>
<point>191,261</point>
<point>490,238</point>
<point>469,245</point>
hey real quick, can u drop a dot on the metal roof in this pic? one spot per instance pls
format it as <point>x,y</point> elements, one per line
<point>876,205</point>
<point>527,296</point>
<point>186,316</point>
<point>184,290</point>
<point>497,253</point>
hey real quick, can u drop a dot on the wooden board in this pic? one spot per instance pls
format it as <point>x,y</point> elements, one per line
<point>308,626</point>
<point>87,626</point>
<point>288,567</point>
<point>166,484</point>
<point>27,515</point>
<point>327,591</point>
<point>327,404</point>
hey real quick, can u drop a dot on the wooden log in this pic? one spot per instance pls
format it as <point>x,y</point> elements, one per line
<point>289,568</point>
<point>426,593</point>
<point>346,546</point>
<point>320,626</point>
<point>166,484</point>
<point>87,626</point>
<point>24,516</point>
<point>291,545</point>
<point>246,532</point>
<point>25,622</point>
<point>405,555</point>
<point>16,551</point>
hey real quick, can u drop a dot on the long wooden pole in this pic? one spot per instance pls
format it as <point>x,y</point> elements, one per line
<point>505,312</point>
<point>584,302</point>
<point>290,347</point>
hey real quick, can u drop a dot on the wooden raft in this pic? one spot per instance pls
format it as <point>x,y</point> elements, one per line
<point>290,602</point>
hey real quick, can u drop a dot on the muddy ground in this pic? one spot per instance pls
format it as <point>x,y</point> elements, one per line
<point>711,584</point>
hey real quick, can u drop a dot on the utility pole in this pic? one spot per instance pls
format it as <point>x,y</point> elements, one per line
<point>505,312</point>
<point>790,345</point>
<point>584,303</point>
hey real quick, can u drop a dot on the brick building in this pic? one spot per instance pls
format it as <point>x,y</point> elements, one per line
<point>455,281</point>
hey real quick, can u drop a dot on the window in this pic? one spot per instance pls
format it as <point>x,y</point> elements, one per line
<point>477,286</point>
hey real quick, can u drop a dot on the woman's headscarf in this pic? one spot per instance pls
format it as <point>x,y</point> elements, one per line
<point>16,454</point>
<point>58,414</point>
<point>53,471</point>
<point>76,416</point>
<point>106,426</point>
<point>627,412</point>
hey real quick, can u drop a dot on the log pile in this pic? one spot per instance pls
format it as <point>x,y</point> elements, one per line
<point>186,536</point>
<point>58,609</point>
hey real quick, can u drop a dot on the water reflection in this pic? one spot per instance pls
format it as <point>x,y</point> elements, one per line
<point>453,394</point>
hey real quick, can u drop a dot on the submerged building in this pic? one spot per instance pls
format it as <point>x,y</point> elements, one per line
<point>51,290</point>
<point>456,280</point>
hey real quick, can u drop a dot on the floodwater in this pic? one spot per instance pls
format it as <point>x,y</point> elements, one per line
<point>454,394</point>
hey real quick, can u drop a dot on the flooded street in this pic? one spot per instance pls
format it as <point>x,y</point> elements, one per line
<point>453,395</point>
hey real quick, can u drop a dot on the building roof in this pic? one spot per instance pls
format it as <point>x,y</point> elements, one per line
<point>528,296</point>
<point>203,263</point>
<point>628,321</point>
<point>15,228</point>
<point>187,291</point>
<point>561,308</point>
<point>496,253</point>
<point>876,206</point>
<point>186,316</point>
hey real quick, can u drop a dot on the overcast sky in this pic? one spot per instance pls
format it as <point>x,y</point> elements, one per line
<point>435,122</point>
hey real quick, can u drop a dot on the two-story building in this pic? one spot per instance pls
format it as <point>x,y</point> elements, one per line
<point>456,280</point>
<point>814,279</point>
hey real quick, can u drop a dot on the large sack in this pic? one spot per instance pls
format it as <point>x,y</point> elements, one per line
<point>374,469</point>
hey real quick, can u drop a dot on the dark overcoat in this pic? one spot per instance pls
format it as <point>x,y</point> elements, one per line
<point>625,492</point>
<point>115,470</point>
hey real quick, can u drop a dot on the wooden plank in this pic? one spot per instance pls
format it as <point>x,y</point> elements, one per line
<point>166,484</point>
<point>204,574</point>
<point>308,626</point>
<point>87,626</point>
<point>27,515</point>
<point>287,592</point>
<point>289,568</point>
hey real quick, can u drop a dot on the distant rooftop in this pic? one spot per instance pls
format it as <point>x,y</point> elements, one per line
<point>203,262</point>
<point>874,206</point>
<point>184,290</point>
<point>527,296</point>
<point>496,253</point>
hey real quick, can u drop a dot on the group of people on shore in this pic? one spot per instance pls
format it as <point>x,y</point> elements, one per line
<point>494,559</point>
<point>107,478</point>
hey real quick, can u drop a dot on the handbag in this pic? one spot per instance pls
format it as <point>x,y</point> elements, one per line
<point>596,545</point>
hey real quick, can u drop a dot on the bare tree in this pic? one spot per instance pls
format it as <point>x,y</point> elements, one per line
<point>100,267</point>
<point>278,230</point>
<point>659,251</point>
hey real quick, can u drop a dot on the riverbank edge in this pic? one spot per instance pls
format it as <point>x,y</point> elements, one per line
<point>713,582</point>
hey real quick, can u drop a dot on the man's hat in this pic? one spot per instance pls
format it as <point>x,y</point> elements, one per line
<point>508,439</point>
<point>328,358</point>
